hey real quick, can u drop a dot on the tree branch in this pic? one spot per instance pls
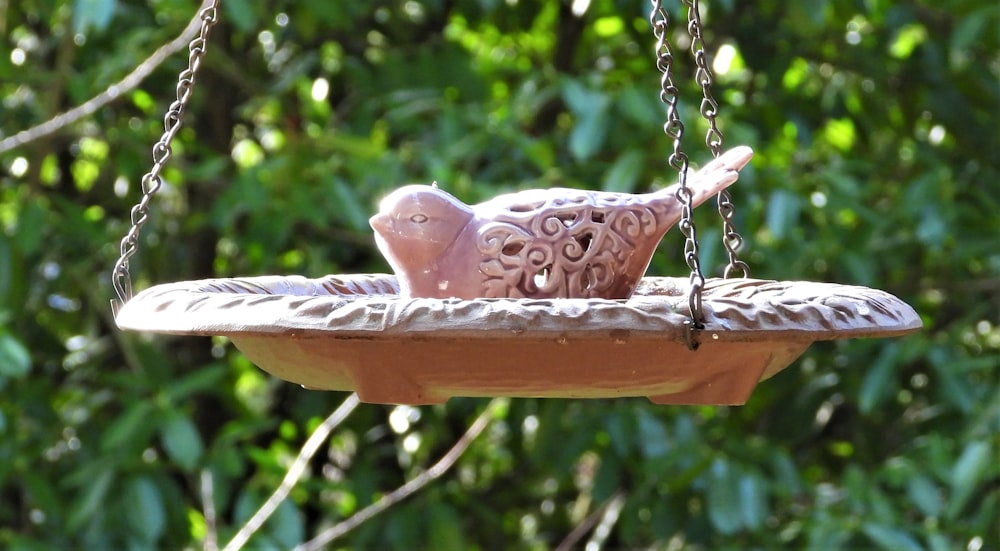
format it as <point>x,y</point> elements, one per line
<point>608,520</point>
<point>294,473</point>
<point>111,93</point>
<point>610,507</point>
<point>208,506</point>
<point>408,489</point>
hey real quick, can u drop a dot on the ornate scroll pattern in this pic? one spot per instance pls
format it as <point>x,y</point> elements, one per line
<point>571,246</point>
<point>345,306</point>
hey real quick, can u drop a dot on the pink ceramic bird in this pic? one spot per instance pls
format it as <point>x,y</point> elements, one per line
<point>546,243</point>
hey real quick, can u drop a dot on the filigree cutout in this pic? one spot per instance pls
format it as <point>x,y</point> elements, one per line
<point>576,245</point>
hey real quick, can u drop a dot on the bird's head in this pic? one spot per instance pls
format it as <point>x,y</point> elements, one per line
<point>416,223</point>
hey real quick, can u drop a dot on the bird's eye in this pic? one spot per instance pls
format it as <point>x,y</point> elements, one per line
<point>418,218</point>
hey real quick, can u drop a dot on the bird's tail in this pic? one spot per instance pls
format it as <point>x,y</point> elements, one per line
<point>715,176</point>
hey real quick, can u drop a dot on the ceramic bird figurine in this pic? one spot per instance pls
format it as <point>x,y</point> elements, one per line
<point>545,243</point>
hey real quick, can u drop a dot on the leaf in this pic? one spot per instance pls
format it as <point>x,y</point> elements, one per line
<point>144,511</point>
<point>924,494</point>
<point>969,28</point>
<point>826,532</point>
<point>878,379</point>
<point>724,510</point>
<point>91,498</point>
<point>753,501</point>
<point>966,475</point>
<point>608,477</point>
<point>907,40</point>
<point>6,273</point>
<point>349,207</point>
<point>653,439</point>
<point>181,440</point>
<point>640,107</point>
<point>624,173</point>
<point>127,428</point>
<point>782,213</point>
<point>15,361</point>
<point>592,119</point>
<point>31,228</point>
<point>445,530</point>
<point>932,229</point>
<point>890,539</point>
<point>940,542</point>
<point>286,525</point>
<point>621,430</point>
<point>204,378</point>
<point>241,14</point>
<point>92,13</point>
<point>953,388</point>
<point>785,473</point>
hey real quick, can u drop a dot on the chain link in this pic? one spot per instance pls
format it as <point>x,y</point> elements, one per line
<point>678,160</point>
<point>121,278</point>
<point>731,240</point>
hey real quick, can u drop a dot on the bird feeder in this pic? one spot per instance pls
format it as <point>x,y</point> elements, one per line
<point>502,318</point>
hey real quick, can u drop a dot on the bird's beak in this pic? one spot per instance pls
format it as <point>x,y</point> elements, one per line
<point>381,223</point>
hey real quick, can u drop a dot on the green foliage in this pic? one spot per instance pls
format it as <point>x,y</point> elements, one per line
<point>875,129</point>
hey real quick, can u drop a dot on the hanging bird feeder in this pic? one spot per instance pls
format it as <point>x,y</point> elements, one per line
<point>535,294</point>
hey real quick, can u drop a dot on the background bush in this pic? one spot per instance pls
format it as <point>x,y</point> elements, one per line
<point>875,129</point>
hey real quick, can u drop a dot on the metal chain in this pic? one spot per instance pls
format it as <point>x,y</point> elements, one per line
<point>121,278</point>
<point>674,129</point>
<point>731,239</point>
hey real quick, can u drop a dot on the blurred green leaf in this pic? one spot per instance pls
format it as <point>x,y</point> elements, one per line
<point>724,507</point>
<point>92,13</point>
<point>242,14</point>
<point>924,494</point>
<point>753,501</point>
<point>6,274</point>
<point>15,361</point>
<point>783,213</point>
<point>607,480</point>
<point>622,432</point>
<point>31,228</point>
<point>90,500</point>
<point>878,381</point>
<point>826,532</point>
<point>349,207</point>
<point>144,512</point>
<point>203,379</point>
<point>968,471</point>
<point>940,542</point>
<point>128,428</point>
<point>949,382</point>
<point>286,525</point>
<point>969,29</point>
<point>590,108</point>
<point>653,439</point>
<point>907,40</point>
<point>445,528</point>
<point>181,440</point>
<point>624,173</point>
<point>890,539</point>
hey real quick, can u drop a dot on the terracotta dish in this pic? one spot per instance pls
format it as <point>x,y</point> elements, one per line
<point>357,333</point>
